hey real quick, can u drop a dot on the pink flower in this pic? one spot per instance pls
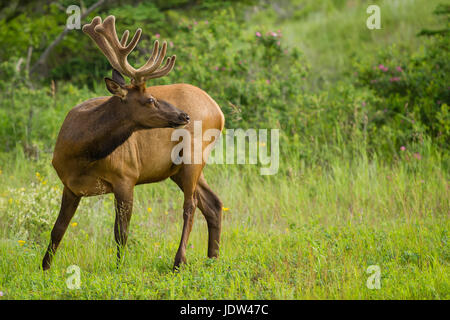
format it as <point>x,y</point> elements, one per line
<point>258,34</point>
<point>171,44</point>
<point>403,148</point>
<point>206,21</point>
<point>399,69</point>
<point>157,35</point>
<point>268,81</point>
<point>274,34</point>
<point>278,43</point>
<point>216,68</point>
<point>383,68</point>
<point>394,79</point>
<point>374,81</point>
<point>417,156</point>
<point>195,22</point>
<point>363,103</point>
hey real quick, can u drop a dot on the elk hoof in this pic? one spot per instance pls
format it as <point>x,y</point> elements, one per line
<point>178,262</point>
<point>45,265</point>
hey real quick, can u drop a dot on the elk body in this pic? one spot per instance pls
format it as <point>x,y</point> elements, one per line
<point>111,144</point>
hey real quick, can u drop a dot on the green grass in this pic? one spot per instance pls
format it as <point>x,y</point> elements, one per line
<point>310,235</point>
<point>330,37</point>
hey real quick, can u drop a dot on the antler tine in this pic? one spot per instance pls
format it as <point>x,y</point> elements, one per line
<point>105,36</point>
<point>124,39</point>
<point>130,47</point>
<point>152,58</point>
<point>89,29</point>
<point>170,63</point>
<point>108,29</point>
<point>144,70</point>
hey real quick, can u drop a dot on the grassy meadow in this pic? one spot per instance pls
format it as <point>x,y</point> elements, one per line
<point>310,235</point>
<point>347,195</point>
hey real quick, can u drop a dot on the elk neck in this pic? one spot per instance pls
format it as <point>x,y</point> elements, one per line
<point>109,125</point>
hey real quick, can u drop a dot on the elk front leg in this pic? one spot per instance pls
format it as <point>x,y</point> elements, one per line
<point>69,205</point>
<point>124,207</point>
<point>190,204</point>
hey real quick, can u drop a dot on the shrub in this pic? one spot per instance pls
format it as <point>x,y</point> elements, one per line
<point>413,91</point>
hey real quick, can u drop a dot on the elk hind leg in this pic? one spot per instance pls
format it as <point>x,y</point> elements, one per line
<point>186,179</point>
<point>211,207</point>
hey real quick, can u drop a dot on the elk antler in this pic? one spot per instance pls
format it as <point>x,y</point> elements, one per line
<point>105,36</point>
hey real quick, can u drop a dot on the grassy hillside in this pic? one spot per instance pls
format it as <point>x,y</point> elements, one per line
<point>332,34</point>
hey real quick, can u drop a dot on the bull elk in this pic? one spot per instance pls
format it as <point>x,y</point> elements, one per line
<point>110,144</point>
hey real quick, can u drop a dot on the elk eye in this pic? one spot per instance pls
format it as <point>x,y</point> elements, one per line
<point>150,101</point>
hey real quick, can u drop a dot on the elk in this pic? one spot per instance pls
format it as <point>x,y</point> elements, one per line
<point>111,144</point>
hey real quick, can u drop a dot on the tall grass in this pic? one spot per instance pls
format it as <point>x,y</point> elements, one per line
<point>308,234</point>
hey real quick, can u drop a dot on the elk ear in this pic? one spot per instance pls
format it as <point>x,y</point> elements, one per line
<point>117,77</point>
<point>116,88</point>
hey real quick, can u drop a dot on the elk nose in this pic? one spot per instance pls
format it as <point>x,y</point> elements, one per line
<point>184,117</point>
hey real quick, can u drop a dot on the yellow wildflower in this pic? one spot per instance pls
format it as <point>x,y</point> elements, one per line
<point>225,209</point>
<point>166,212</point>
<point>149,209</point>
<point>156,244</point>
<point>74,224</point>
<point>10,200</point>
<point>21,242</point>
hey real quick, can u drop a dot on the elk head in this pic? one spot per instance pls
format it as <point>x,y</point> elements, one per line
<point>145,110</point>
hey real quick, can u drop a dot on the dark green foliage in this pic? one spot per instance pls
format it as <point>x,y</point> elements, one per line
<point>384,101</point>
<point>412,91</point>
